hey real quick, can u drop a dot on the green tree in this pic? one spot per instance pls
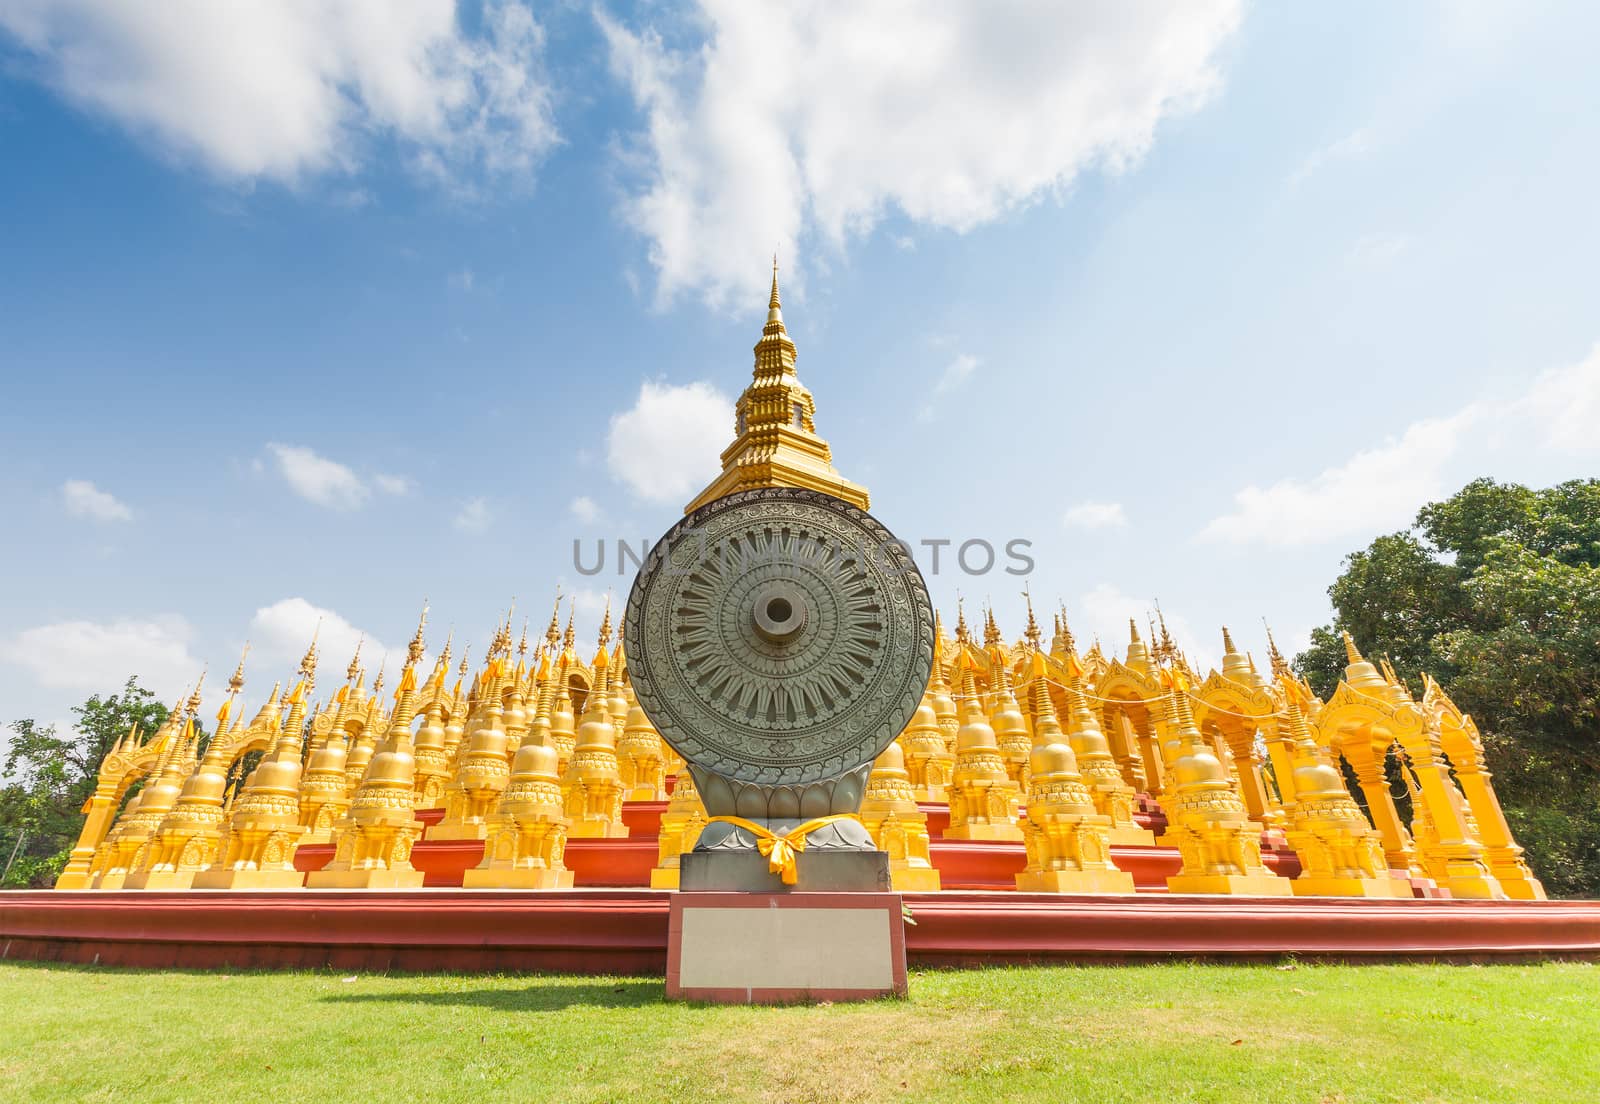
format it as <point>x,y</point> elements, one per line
<point>1496,593</point>
<point>48,777</point>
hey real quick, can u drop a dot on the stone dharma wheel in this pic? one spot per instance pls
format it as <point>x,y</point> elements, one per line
<point>779,640</point>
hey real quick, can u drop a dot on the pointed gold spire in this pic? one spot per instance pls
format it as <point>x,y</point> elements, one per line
<point>1032,633</point>
<point>354,669</point>
<point>1352,654</point>
<point>1280,666</point>
<point>552,635</point>
<point>236,680</point>
<point>775,438</point>
<point>415,649</point>
<point>774,305</point>
<point>308,662</point>
<point>192,706</point>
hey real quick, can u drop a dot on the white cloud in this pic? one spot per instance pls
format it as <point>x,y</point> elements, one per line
<point>956,373</point>
<point>586,509</point>
<point>1105,611</point>
<point>1382,488</point>
<point>392,484</point>
<point>666,447</point>
<point>1564,404</point>
<point>1376,489</point>
<point>83,499</point>
<point>811,118</point>
<point>590,605</point>
<point>98,657</point>
<point>1378,249</point>
<point>318,479</point>
<point>462,280</point>
<point>281,632</point>
<point>473,517</point>
<point>1355,144</point>
<point>291,88</point>
<point>1095,515</point>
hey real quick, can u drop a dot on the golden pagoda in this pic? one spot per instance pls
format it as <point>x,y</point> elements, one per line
<point>1047,760</point>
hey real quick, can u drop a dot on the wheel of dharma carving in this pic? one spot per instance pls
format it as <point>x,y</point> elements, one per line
<point>779,637</point>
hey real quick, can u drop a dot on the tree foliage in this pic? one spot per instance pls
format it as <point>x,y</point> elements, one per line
<point>1496,593</point>
<point>48,777</point>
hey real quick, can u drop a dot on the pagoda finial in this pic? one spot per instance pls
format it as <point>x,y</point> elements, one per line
<point>308,662</point>
<point>1352,654</point>
<point>1280,666</point>
<point>570,637</point>
<point>1032,634</point>
<point>193,703</point>
<point>605,623</point>
<point>774,305</point>
<point>1166,642</point>
<point>354,669</point>
<point>552,635</point>
<point>414,651</point>
<point>1065,631</point>
<point>1227,641</point>
<point>236,680</point>
<point>1133,632</point>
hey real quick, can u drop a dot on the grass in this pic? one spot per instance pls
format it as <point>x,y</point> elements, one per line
<point>1313,1033</point>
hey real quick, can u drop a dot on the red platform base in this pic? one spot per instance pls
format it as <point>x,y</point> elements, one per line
<point>625,931</point>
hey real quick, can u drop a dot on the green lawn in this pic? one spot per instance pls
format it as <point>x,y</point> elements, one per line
<point>1153,1034</point>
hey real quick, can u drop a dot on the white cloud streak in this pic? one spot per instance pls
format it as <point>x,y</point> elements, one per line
<point>317,479</point>
<point>474,517</point>
<point>1095,515</point>
<point>1382,487</point>
<point>84,500</point>
<point>1378,488</point>
<point>1358,143</point>
<point>956,373</point>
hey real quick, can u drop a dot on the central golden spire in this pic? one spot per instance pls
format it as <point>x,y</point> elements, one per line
<point>776,442</point>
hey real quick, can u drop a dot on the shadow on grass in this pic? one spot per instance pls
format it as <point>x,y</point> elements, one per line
<point>550,996</point>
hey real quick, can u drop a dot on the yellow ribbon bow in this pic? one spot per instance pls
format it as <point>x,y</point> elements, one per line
<point>780,851</point>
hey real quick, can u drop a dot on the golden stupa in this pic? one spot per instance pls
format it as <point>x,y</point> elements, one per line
<point>1058,763</point>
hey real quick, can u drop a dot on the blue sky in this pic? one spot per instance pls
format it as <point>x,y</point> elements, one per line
<point>314,311</point>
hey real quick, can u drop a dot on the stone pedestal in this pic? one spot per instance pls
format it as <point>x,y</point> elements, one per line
<point>774,948</point>
<point>817,871</point>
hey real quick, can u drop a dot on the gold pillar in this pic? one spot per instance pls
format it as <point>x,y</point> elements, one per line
<point>1462,743</point>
